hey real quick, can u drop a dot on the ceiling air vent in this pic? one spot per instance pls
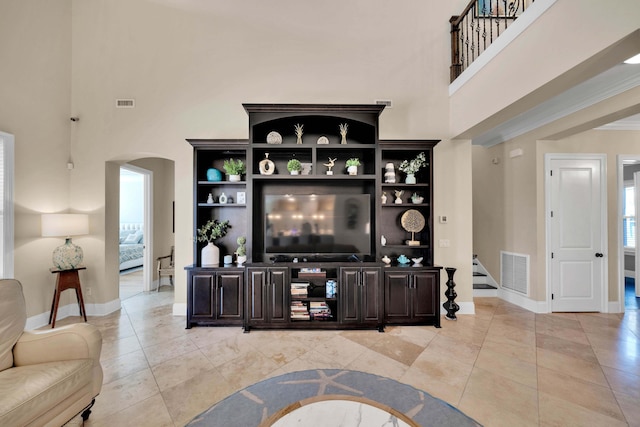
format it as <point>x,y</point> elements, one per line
<point>125,103</point>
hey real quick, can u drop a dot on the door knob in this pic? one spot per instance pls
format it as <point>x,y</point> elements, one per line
<point>599,255</point>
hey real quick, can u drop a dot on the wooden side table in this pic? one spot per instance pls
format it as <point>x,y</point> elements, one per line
<point>67,279</point>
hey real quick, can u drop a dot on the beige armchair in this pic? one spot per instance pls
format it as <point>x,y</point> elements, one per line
<point>46,377</point>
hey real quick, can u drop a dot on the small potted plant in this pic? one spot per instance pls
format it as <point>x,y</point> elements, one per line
<point>241,252</point>
<point>294,166</point>
<point>210,232</point>
<point>411,167</point>
<point>352,165</point>
<point>234,168</point>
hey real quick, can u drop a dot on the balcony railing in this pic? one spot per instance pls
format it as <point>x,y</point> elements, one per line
<point>482,22</point>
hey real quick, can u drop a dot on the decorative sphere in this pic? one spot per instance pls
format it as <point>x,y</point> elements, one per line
<point>214,174</point>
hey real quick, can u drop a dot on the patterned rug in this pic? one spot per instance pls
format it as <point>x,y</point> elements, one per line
<point>263,401</point>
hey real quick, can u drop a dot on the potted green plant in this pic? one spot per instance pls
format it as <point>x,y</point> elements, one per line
<point>241,252</point>
<point>294,166</point>
<point>411,167</point>
<point>210,232</point>
<point>234,168</point>
<point>352,165</point>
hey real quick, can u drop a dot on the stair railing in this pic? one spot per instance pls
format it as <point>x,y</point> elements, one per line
<point>479,25</point>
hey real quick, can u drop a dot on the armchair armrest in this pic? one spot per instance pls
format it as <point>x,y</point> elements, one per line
<point>77,341</point>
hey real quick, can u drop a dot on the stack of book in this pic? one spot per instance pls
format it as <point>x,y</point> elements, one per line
<point>319,310</point>
<point>299,290</point>
<point>299,311</point>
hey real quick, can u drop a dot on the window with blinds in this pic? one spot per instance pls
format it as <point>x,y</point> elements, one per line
<point>629,217</point>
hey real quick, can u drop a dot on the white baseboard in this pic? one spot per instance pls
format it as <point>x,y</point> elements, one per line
<point>465,308</point>
<point>67,310</point>
<point>523,301</point>
<point>615,307</point>
<point>179,309</point>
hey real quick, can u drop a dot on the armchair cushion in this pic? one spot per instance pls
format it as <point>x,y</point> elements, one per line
<point>14,313</point>
<point>28,392</point>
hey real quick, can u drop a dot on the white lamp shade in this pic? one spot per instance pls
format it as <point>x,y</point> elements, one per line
<point>64,225</point>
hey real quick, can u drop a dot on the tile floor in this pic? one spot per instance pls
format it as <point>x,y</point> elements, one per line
<point>503,366</point>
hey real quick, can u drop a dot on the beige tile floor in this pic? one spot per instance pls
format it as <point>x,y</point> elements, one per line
<point>503,366</point>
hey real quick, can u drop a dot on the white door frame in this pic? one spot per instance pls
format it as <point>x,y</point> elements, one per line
<point>602,158</point>
<point>147,276</point>
<point>620,166</point>
<point>8,142</point>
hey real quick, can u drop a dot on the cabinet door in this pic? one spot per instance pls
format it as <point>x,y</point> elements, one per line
<point>256,294</point>
<point>348,295</point>
<point>370,294</point>
<point>278,292</point>
<point>397,296</point>
<point>426,295</point>
<point>230,290</point>
<point>202,297</point>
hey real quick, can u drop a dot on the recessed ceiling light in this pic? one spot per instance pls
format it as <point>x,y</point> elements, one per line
<point>633,60</point>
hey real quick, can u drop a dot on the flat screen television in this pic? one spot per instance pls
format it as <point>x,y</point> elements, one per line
<point>327,225</point>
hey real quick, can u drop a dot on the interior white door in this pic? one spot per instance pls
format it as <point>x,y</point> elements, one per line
<point>576,234</point>
<point>636,183</point>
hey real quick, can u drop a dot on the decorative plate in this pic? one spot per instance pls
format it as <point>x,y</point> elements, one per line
<point>412,221</point>
<point>274,137</point>
<point>323,140</point>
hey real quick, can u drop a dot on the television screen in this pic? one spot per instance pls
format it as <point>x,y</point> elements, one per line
<point>317,224</point>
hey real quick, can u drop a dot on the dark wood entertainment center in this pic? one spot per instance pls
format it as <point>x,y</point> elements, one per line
<point>290,271</point>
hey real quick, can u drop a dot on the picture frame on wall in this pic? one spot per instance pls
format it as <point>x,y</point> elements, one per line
<point>241,197</point>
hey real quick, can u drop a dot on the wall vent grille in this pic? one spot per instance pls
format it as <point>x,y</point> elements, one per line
<point>514,272</point>
<point>125,103</point>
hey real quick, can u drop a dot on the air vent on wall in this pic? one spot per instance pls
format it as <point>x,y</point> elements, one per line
<point>125,103</point>
<point>514,272</point>
<point>387,102</point>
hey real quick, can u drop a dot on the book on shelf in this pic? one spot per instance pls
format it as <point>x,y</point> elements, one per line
<point>299,311</point>
<point>319,310</point>
<point>299,289</point>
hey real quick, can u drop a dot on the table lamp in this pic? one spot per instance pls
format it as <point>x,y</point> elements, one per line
<point>67,256</point>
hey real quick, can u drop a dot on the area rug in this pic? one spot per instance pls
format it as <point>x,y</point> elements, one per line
<point>258,403</point>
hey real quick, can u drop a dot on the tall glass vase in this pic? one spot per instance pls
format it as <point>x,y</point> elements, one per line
<point>410,179</point>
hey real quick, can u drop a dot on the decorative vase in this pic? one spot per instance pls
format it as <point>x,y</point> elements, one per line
<point>222,199</point>
<point>389,173</point>
<point>234,178</point>
<point>67,256</point>
<point>450,305</point>
<point>209,199</point>
<point>352,170</point>
<point>299,139</point>
<point>214,175</point>
<point>266,166</point>
<point>410,179</point>
<point>343,139</point>
<point>210,256</point>
<point>294,172</point>
<point>241,260</point>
